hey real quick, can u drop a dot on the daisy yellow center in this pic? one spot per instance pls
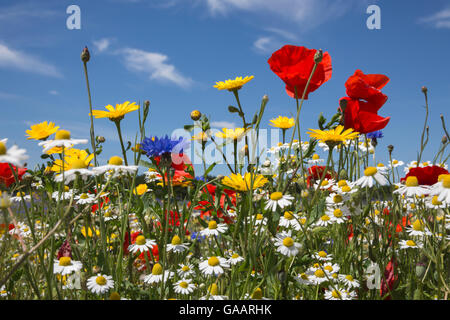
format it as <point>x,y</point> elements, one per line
<point>114,296</point>
<point>324,183</point>
<point>370,171</point>
<point>276,196</point>
<point>349,277</point>
<point>107,214</point>
<point>140,240</point>
<point>304,276</point>
<point>315,156</point>
<point>303,220</point>
<point>380,165</point>
<point>65,261</point>
<point>346,189</point>
<point>212,225</point>
<point>322,254</point>
<point>259,216</point>
<point>176,240</point>
<point>418,226</point>
<point>412,181</point>
<point>185,268</point>
<point>115,161</point>
<point>325,218</point>
<point>337,213</point>
<point>78,164</point>
<point>319,273</point>
<point>62,135</point>
<point>100,280</point>
<point>213,261</point>
<point>84,196</point>
<point>337,198</point>
<point>157,269</point>
<point>257,294</point>
<point>435,201</point>
<point>336,294</point>
<point>410,243</point>
<point>288,215</point>
<point>394,161</point>
<point>2,149</point>
<point>446,181</point>
<point>342,183</point>
<point>235,256</point>
<point>213,289</point>
<point>328,268</point>
<point>288,242</point>
<point>184,284</point>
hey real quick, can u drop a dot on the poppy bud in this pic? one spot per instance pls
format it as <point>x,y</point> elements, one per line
<point>85,55</point>
<point>195,115</point>
<point>444,139</point>
<point>424,89</point>
<point>390,148</point>
<point>265,98</point>
<point>101,139</point>
<point>318,56</point>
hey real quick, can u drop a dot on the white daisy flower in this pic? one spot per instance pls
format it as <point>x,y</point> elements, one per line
<point>371,175</point>
<point>349,281</point>
<point>396,163</point>
<point>411,188</point>
<point>3,292</point>
<point>158,274</point>
<point>331,268</point>
<point>277,199</point>
<point>442,188</point>
<point>285,244</point>
<point>84,198</point>
<point>100,284</point>
<point>66,195</point>
<point>19,195</point>
<point>434,203</point>
<point>410,165</point>
<point>336,215</point>
<point>151,176</point>
<point>116,167</point>
<point>259,219</point>
<point>323,256</point>
<point>213,294</point>
<point>315,160</point>
<point>324,220</point>
<point>337,294</point>
<point>214,229</point>
<point>383,169</point>
<point>317,276</point>
<point>235,259</point>
<point>213,266</point>
<point>418,228</point>
<point>184,286</point>
<point>185,270</point>
<point>65,265</point>
<point>325,184</point>
<point>141,244</point>
<point>303,278</point>
<point>176,245</point>
<point>72,174</point>
<point>13,155</point>
<point>62,139</point>
<point>406,244</point>
<point>290,220</point>
<point>425,164</point>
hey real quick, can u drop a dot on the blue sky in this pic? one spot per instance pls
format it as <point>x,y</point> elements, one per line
<point>172,52</point>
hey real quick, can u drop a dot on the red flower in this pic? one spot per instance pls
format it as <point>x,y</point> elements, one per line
<point>65,250</point>
<point>174,220</point>
<point>7,176</point>
<point>389,280</point>
<point>206,207</point>
<point>293,64</point>
<point>316,172</point>
<point>363,102</point>
<point>94,207</point>
<point>427,175</point>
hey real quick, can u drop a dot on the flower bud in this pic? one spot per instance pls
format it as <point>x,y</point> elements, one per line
<point>420,269</point>
<point>85,55</point>
<point>343,174</point>
<point>424,89</point>
<point>100,139</point>
<point>265,98</point>
<point>318,56</point>
<point>195,115</point>
<point>390,148</point>
<point>444,140</point>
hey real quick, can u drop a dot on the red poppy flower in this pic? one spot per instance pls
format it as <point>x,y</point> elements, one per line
<point>363,102</point>
<point>94,207</point>
<point>389,281</point>
<point>173,221</point>
<point>293,64</point>
<point>316,172</point>
<point>179,161</point>
<point>427,175</point>
<point>206,207</point>
<point>7,176</point>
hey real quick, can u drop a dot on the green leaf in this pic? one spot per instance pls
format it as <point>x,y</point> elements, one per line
<point>321,121</point>
<point>233,109</point>
<point>189,127</point>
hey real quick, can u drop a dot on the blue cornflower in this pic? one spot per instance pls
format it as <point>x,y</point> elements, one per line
<point>155,146</point>
<point>375,134</point>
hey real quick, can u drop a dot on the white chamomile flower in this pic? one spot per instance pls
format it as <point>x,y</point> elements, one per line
<point>411,188</point>
<point>84,198</point>
<point>175,245</point>
<point>290,220</point>
<point>213,294</point>
<point>65,195</point>
<point>19,196</point>
<point>303,278</point>
<point>349,281</point>
<point>3,292</point>
<point>324,220</point>
<point>141,245</point>
<point>62,139</point>
<point>325,184</point>
<point>277,199</point>
<point>317,276</point>
<point>418,228</point>
<point>73,173</point>
<point>100,284</point>
<point>214,229</point>
<point>315,160</point>
<point>337,215</point>
<point>372,175</point>
<point>184,286</point>
<point>13,155</point>
<point>382,168</point>
<point>185,270</point>
<point>116,167</point>
<point>213,266</point>
<point>323,256</point>
<point>285,244</point>
<point>158,275</point>
<point>151,176</point>
<point>337,294</point>
<point>396,163</point>
<point>406,244</point>
<point>65,265</point>
<point>425,164</point>
<point>410,165</point>
<point>259,219</point>
<point>331,268</point>
<point>442,188</point>
<point>235,259</point>
<point>434,203</point>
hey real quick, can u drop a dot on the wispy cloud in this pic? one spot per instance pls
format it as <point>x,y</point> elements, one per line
<point>53,92</point>
<point>155,65</point>
<point>440,19</point>
<point>102,44</point>
<point>223,124</point>
<point>14,59</point>
<point>21,12</point>
<point>274,40</point>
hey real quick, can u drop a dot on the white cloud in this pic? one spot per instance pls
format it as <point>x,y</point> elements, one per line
<point>440,19</point>
<point>155,65</point>
<point>102,44</point>
<point>14,59</point>
<point>53,92</point>
<point>265,44</point>
<point>223,124</point>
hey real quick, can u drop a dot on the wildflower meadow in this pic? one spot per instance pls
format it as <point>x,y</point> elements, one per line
<point>314,216</point>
